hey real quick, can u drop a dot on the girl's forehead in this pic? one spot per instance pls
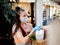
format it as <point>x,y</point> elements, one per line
<point>24,13</point>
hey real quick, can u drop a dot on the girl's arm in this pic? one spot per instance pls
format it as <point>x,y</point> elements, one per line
<point>22,38</point>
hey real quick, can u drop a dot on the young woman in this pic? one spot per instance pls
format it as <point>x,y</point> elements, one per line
<point>21,30</point>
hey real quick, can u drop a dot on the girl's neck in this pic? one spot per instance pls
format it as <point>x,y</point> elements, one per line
<point>23,23</point>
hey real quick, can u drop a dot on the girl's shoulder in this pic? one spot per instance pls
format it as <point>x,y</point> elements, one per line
<point>14,27</point>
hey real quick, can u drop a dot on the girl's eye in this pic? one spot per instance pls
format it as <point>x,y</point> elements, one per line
<point>25,15</point>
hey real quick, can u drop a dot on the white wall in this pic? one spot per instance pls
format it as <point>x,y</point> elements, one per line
<point>26,0</point>
<point>39,12</point>
<point>51,12</point>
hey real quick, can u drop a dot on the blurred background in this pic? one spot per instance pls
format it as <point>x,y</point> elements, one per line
<point>44,13</point>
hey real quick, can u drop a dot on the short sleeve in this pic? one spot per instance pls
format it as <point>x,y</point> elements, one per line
<point>13,28</point>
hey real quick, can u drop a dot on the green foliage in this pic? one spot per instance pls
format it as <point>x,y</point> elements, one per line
<point>4,1</point>
<point>8,13</point>
<point>32,37</point>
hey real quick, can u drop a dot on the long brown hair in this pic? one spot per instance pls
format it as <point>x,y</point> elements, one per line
<point>18,22</point>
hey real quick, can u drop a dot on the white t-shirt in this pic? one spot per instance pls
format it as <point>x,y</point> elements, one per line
<point>15,36</point>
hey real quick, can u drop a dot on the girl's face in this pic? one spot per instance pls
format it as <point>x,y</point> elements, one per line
<point>23,14</point>
<point>23,17</point>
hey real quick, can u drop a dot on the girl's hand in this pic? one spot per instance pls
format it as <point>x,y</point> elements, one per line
<point>36,28</point>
